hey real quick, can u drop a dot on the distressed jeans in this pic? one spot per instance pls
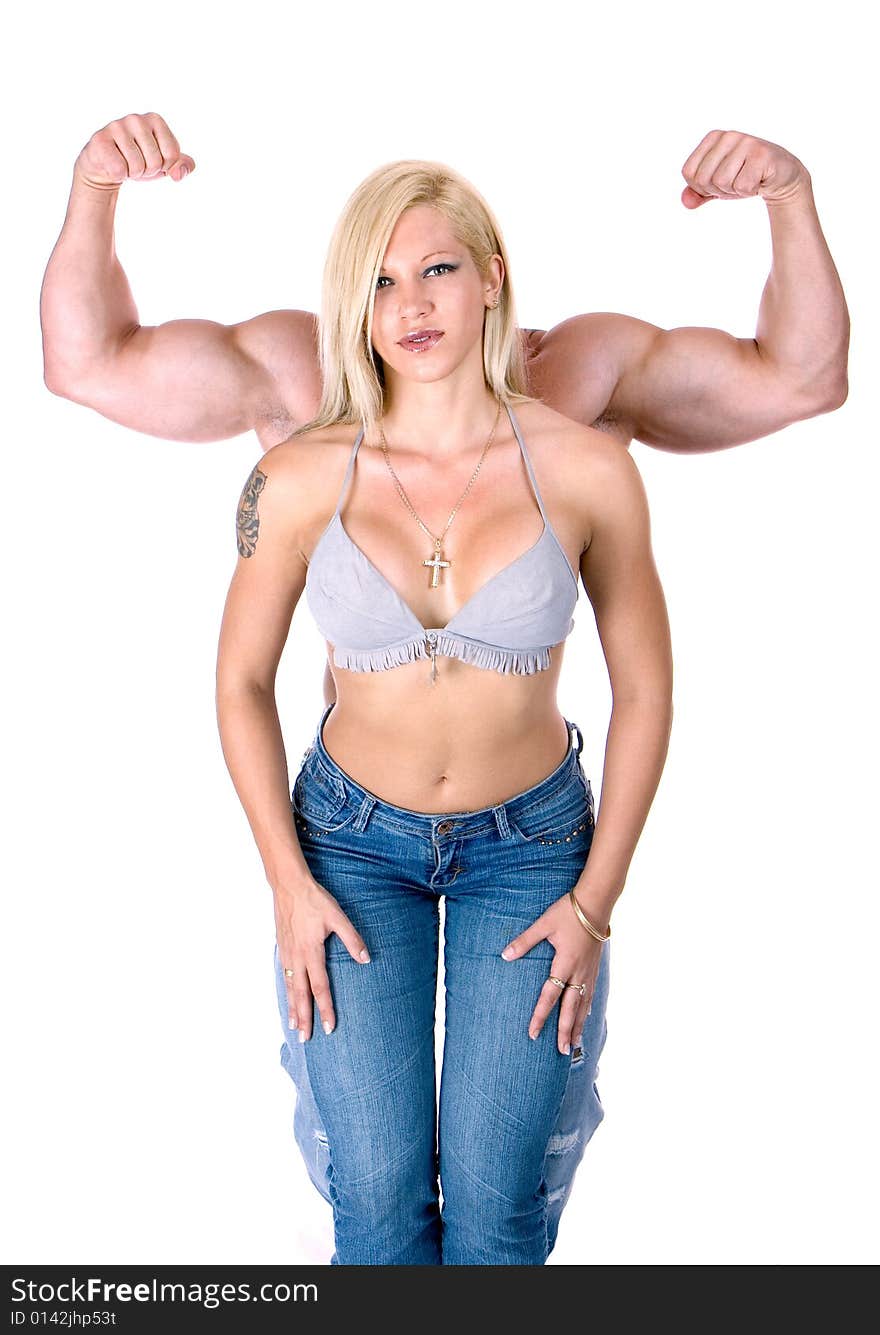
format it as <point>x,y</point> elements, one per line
<point>515,1113</point>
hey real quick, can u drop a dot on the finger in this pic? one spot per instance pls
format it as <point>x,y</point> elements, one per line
<point>523,943</point>
<point>711,171</point>
<point>690,164</point>
<point>748,179</point>
<point>548,998</point>
<point>692,200</point>
<point>352,940</point>
<point>568,1009</point>
<point>174,163</point>
<point>181,168</point>
<point>302,1000</point>
<point>727,172</point>
<point>291,997</point>
<point>107,161</point>
<point>130,154</point>
<point>141,131</point>
<point>126,141</point>
<point>580,1019</point>
<point>320,985</point>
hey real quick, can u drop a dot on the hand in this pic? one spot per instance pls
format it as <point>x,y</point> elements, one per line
<point>304,918</point>
<point>134,148</point>
<point>729,165</point>
<point>576,960</point>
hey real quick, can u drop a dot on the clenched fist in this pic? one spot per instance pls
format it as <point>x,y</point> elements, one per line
<point>727,164</point>
<point>133,148</point>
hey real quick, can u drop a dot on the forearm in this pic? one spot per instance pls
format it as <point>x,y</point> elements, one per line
<point>635,753</point>
<point>803,321</point>
<point>86,305</point>
<point>253,747</point>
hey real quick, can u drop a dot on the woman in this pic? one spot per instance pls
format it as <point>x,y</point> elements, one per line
<point>440,562</point>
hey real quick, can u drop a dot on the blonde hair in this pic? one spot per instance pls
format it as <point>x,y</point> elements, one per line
<point>354,386</point>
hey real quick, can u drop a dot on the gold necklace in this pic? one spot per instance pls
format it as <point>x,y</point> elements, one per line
<point>436,562</point>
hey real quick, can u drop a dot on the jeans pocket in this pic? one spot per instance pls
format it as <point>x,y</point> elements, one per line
<point>564,821</point>
<point>319,799</point>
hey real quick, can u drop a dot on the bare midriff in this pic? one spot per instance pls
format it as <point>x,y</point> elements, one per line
<point>472,739</point>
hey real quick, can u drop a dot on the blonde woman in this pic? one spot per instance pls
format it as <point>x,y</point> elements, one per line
<point>437,519</point>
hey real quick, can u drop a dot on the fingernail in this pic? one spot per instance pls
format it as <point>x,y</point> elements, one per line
<point>580,1039</point>
<point>567,1049</point>
<point>531,1035</point>
<point>183,171</point>
<point>328,1028</point>
<point>507,953</point>
<point>302,1035</point>
<point>364,956</point>
<point>291,1022</point>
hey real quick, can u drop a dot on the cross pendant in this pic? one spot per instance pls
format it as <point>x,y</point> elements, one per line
<point>436,565</point>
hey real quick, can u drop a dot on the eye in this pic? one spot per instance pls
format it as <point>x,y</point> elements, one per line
<point>435,268</point>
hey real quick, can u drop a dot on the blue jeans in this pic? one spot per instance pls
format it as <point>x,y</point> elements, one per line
<point>515,1113</point>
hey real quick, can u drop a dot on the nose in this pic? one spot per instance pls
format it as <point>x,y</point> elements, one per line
<point>413,301</point>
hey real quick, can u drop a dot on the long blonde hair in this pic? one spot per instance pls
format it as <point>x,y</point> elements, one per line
<point>354,387</point>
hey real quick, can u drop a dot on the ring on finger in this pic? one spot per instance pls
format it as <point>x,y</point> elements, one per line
<point>558,981</point>
<point>288,973</point>
<point>580,988</point>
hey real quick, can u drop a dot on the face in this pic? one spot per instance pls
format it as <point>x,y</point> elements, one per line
<point>429,281</point>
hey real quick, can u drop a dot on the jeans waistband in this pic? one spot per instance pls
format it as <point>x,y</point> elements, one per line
<point>421,821</point>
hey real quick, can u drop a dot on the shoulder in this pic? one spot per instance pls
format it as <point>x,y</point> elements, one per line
<point>560,446</point>
<point>295,484</point>
<point>311,450</point>
<point>581,470</point>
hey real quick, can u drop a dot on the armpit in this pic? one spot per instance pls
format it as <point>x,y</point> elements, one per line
<point>609,422</point>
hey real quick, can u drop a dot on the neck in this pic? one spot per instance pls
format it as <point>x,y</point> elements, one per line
<point>440,419</point>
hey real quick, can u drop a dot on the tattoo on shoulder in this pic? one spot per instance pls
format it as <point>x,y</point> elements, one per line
<point>247,523</point>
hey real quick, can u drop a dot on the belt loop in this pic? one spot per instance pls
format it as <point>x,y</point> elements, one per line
<point>580,738</point>
<point>360,821</point>
<point>500,814</point>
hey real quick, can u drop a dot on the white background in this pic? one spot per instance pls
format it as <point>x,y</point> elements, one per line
<point>147,1118</point>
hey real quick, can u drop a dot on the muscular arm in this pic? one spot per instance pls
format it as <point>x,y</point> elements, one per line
<point>192,380</point>
<point>699,389</point>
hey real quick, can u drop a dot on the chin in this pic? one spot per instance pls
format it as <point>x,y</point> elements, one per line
<point>421,366</point>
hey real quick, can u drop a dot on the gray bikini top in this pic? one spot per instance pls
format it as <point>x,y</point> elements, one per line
<point>509,625</point>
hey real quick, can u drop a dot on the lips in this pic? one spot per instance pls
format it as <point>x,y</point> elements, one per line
<point>421,340</point>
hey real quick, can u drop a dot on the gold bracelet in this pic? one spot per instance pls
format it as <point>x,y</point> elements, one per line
<point>584,920</point>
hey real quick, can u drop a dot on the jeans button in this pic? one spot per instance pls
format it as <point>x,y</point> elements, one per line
<point>444,827</point>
